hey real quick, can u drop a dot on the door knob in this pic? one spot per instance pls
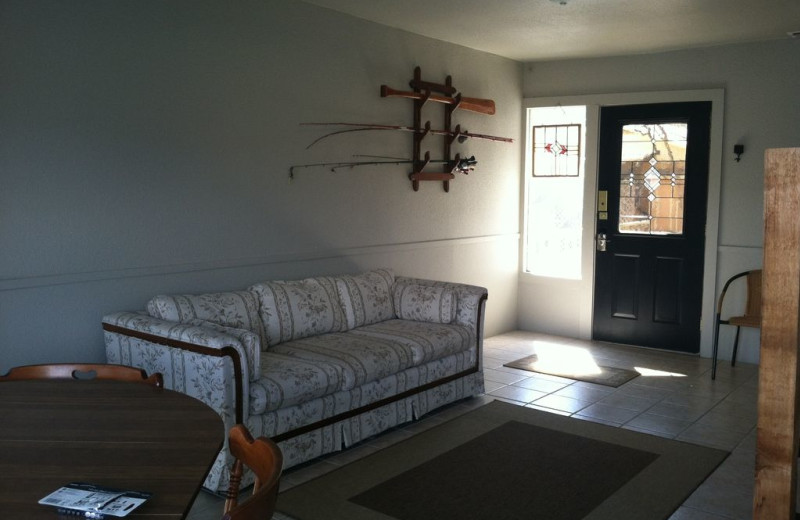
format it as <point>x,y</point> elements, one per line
<point>602,241</point>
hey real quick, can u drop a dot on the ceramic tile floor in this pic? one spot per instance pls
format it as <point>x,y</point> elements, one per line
<point>674,398</point>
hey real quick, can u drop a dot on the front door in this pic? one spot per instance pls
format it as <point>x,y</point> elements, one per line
<point>652,190</point>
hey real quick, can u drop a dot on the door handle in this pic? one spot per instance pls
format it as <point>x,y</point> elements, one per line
<point>602,242</point>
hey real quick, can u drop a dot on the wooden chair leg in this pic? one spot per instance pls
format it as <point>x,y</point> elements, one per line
<point>735,348</point>
<point>232,496</point>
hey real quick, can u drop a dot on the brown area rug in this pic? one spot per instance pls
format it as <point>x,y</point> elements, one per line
<point>510,462</point>
<point>608,376</point>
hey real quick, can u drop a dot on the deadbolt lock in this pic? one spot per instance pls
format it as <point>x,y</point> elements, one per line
<point>602,241</point>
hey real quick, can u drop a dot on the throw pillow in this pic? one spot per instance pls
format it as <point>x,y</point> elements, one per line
<point>425,303</point>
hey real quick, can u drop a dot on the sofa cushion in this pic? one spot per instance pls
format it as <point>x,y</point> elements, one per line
<point>367,297</point>
<point>299,308</point>
<point>288,380</point>
<point>425,303</point>
<point>360,359</point>
<point>360,427</point>
<point>427,341</point>
<point>238,309</point>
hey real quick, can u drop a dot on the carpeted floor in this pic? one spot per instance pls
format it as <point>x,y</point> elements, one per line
<point>554,468</point>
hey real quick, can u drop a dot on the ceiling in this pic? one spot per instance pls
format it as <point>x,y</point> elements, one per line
<point>535,30</point>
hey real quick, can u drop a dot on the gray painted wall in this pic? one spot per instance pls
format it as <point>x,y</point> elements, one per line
<point>762,110</point>
<point>145,148</point>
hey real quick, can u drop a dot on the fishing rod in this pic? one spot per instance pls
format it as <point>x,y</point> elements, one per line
<point>460,165</point>
<point>481,106</point>
<point>460,135</point>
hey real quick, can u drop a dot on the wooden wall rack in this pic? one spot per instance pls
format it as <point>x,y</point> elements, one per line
<point>446,94</point>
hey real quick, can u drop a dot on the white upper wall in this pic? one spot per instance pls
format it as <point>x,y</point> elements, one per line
<point>762,110</point>
<point>146,149</point>
<point>761,82</point>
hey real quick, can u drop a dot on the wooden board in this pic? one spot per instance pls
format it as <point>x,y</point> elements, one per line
<point>776,448</point>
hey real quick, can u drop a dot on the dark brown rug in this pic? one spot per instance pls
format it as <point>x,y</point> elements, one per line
<point>608,376</point>
<point>510,462</point>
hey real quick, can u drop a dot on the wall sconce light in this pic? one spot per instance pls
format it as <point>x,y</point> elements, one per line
<point>738,150</point>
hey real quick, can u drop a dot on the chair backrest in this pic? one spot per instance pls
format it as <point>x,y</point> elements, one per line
<point>83,371</point>
<point>266,460</point>
<point>752,310</point>
<point>753,307</point>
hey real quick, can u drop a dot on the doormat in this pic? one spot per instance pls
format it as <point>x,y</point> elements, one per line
<point>507,461</point>
<point>608,376</point>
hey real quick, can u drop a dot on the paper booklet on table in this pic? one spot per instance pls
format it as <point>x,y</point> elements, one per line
<point>92,501</point>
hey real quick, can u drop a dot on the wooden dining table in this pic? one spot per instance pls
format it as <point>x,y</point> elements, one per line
<point>130,436</point>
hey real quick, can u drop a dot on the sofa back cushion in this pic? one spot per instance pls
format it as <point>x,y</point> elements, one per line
<point>297,309</point>
<point>237,309</point>
<point>366,297</point>
<point>424,303</point>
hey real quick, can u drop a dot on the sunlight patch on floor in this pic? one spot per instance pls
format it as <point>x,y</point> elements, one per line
<point>649,372</point>
<point>561,358</point>
<point>557,357</point>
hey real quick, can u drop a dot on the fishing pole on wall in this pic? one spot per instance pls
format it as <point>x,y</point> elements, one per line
<point>460,165</point>
<point>457,133</point>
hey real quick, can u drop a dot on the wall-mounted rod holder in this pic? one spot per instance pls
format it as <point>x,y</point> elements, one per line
<point>447,94</point>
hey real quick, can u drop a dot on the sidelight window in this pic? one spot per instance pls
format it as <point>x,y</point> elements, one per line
<point>554,211</point>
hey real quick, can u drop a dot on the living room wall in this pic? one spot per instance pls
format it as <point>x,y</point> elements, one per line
<point>761,82</point>
<point>146,149</point>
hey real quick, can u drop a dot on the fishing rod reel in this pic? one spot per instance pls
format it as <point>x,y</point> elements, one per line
<point>465,165</point>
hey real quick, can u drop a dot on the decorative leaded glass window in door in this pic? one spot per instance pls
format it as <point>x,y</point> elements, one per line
<point>652,179</point>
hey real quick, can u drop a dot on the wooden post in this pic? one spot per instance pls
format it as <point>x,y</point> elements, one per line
<point>776,448</point>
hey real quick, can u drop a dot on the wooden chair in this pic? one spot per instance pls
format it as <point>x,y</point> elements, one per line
<point>266,460</point>
<point>83,371</point>
<point>750,318</point>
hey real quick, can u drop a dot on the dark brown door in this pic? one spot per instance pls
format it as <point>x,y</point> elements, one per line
<point>653,178</point>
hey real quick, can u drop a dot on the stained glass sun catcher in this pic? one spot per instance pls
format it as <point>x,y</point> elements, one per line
<point>556,150</point>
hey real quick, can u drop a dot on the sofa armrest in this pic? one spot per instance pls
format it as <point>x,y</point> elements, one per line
<point>471,301</point>
<point>199,361</point>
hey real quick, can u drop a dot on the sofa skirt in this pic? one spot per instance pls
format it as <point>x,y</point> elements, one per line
<point>347,432</point>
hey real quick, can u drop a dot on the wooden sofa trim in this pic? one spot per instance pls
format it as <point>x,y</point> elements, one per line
<point>366,408</point>
<point>191,347</point>
<point>237,368</point>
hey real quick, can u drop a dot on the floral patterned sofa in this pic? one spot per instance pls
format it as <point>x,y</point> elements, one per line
<point>316,364</point>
